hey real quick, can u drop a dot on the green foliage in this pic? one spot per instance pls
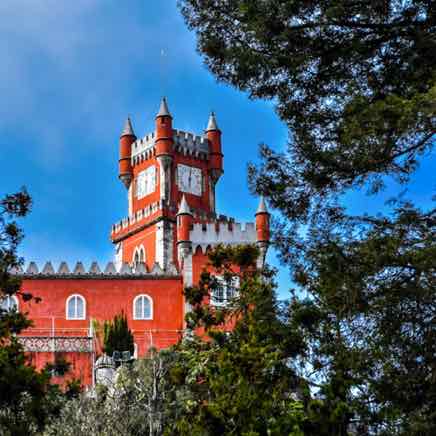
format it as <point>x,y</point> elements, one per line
<point>235,373</point>
<point>355,82</point>
<point>117,335</point>
<point>241,377</point>
<point>371,322</point>
<point>142,401</point>
<point>27,399</point>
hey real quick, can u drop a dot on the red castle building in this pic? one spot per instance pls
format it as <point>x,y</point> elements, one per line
<point>161,247</point>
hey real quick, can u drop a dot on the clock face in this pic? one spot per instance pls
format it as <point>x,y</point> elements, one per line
<point>189,179</point>
<point>146,182</point>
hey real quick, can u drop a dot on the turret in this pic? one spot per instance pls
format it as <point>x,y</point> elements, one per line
<point>164,149</point>
<point>104,370</point>
<point>262,222</point>
<point>262,230</point>
<point>127,138</point>
<point>213,134</point>
<point>164,130</point>
<point>184,221</point>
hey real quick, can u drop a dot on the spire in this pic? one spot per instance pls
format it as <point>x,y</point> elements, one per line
<point>128,129</point>
<point>184,207</point>
<point>212,125</point>
<point>262,206</point>
<point>163,109</point>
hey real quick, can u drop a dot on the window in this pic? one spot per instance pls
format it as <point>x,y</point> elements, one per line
<point>76,307</point>
<point>142,307</point>
<point>8,303</point>
<point>138,256</point>
<point>224,291</point>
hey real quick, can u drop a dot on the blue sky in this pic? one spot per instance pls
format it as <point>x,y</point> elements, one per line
<point>70,73</point>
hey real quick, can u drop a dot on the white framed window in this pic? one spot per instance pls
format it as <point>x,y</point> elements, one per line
<point>75,307</point>
<point>225,291</point>
<point>143,307</point>
<point>9,303</point>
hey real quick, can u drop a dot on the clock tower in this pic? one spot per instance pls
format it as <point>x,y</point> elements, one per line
<point>158,170</point>
<point>162,247</point>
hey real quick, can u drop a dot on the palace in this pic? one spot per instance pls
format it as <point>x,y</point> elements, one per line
<point>160,247</point>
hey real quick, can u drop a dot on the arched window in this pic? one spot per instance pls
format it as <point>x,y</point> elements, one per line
<point>8,303</point>
<point>138,256</point>
<point>142,307</point>
<point>76,307</point>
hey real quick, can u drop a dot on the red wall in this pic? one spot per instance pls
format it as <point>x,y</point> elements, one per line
<point>146,238</point>
<point>104,299</point>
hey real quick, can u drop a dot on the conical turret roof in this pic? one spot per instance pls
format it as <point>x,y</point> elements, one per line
<point>262,206</point>
<point>184,207</point>
<point>128,129</point>
<point>212,125</point>
<point>163,109</point>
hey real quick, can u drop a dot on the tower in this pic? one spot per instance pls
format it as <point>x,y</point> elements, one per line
<point>158,170</point>
<point>162,247</point>
<point>171,178</point>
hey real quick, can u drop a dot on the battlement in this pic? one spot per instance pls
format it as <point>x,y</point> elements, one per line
<point>94,272</point>
<point>137,219</point>
<point>189,140</point>
<point>143,148</point>
<point>222,232</point>
<point>186,143</point>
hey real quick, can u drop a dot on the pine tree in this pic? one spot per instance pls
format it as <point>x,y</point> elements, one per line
<point>237,374</point>
<point>27,399</point>
<point>355,82</point>
<point>117,335</point>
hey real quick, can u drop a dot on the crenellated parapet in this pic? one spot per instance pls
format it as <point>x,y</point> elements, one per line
<point>222,232</point>
<point>188,143</point>
<point>137,220</point>
<point>143,149</point>
<point>185,143</point>
<point>110,271</point>
<point>193,233</point>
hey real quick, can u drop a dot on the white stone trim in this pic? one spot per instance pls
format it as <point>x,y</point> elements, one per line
<point>184,254</point>
<point>111,271</point>
<point>228,233</point>
<point>164,244</point>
